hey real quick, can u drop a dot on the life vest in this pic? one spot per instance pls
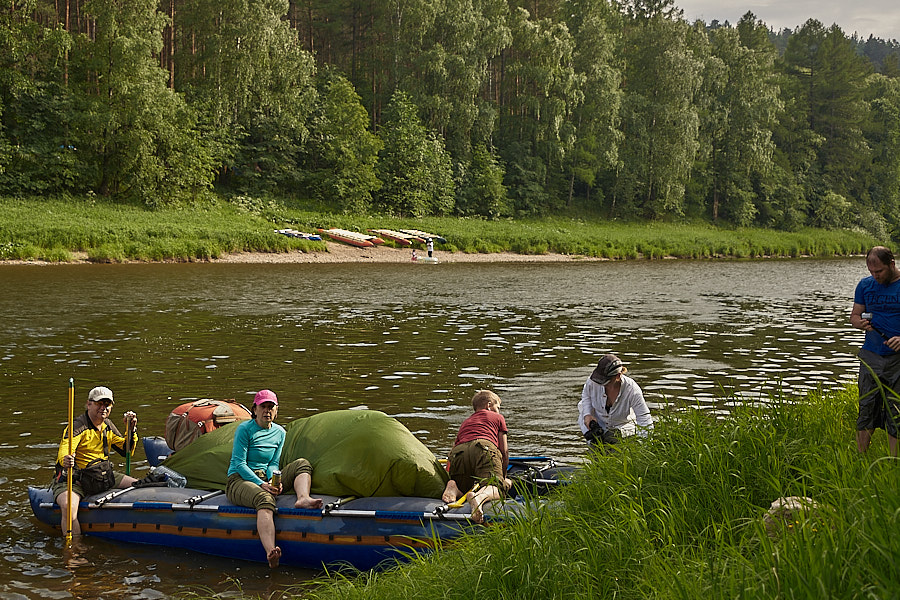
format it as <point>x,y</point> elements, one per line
<point>191,420</point>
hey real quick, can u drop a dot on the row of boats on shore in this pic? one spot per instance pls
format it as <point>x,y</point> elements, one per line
<point>374,237</point>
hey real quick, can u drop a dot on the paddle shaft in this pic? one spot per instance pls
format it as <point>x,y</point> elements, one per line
<point>70,469</point>
<point>129,433</point>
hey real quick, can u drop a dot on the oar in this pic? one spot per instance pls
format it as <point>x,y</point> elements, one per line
<point>129,433</point>
<point>70,469</point>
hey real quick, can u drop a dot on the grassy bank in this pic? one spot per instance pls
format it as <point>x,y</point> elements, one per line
<point>56,229</point>
<point>680,516</point>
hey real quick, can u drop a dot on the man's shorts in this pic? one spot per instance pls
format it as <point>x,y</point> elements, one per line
<point>879,405</point>
<point>476,461</point>
<point>246,493</point>
<point>58,487</point>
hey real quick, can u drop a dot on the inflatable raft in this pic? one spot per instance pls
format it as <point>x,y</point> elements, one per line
<point>362,524</point>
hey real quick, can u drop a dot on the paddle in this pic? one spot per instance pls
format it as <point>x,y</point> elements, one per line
<point>70,469</point>
<point>129,433</point>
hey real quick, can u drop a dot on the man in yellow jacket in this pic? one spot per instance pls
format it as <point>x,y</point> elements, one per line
<point>93,436</point>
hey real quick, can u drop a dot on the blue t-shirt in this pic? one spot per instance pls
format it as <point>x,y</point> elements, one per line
<point>883,301</point>
<point>256,449</point>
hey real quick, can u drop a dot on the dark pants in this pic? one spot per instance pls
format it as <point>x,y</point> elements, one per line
<point>879,386</point>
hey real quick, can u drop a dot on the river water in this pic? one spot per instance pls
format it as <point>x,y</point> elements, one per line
<point>413,341</point>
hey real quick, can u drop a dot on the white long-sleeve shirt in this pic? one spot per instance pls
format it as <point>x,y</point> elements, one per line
<point>629,413</point>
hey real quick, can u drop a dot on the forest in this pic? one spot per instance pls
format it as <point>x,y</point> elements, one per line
<point>483,108</point>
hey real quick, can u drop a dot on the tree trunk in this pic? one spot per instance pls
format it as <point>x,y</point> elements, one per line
<point>172,44</point>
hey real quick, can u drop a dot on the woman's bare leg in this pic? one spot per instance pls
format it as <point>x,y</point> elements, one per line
<point>302,483</point>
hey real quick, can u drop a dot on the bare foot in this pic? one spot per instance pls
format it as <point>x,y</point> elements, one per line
<point>451,492</point>
<point>308,502</point>
<point>477,512</point>
<point>274,556</point>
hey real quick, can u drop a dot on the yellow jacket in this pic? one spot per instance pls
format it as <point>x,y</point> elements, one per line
<point>90,443</point>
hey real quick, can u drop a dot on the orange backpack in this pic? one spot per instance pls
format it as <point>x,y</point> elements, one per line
<point>191,420</point>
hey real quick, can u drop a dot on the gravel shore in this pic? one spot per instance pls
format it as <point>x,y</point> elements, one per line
<point>342,253</point>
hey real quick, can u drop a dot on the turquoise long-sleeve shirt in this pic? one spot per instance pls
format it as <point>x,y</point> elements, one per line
<point>256,449</point>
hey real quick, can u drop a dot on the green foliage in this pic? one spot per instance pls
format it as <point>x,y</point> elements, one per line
<point>740,102</point>
<point>254,83</point>
<point>138,136</point>
<point>883,135</point>
<point>597,33</point>
<point>681,516</point>
<point>414,167</point>
<point>342,152</point>
<point>535,127</point>
<point>616,105</point>
<point>97,228</point>
<point>449,68</point>
<point>659,118</point>
<point>480,189</point>
<point>832,212</point>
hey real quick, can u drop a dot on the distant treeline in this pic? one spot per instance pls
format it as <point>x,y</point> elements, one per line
<point>468,107</point>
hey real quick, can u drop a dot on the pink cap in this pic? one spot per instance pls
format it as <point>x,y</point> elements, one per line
<point>265,396</point>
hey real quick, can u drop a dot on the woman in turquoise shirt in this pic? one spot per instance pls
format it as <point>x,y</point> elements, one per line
<point>257,450</point>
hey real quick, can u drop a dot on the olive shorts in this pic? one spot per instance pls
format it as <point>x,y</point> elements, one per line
<point>246,493</point>
<point>58,487</point>
<point>476,461</point>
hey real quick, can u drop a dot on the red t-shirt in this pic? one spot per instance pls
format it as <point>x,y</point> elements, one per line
<point>482,425</point>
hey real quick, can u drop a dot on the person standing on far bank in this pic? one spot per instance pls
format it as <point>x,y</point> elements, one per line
<point>876,309</point>
<point>430,246</point>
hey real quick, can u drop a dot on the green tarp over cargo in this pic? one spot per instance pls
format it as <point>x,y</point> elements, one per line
<point>353,453</point>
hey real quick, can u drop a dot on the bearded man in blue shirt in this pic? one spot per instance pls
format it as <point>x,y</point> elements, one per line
<point>876,309</point>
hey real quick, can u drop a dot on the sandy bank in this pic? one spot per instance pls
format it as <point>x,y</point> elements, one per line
<point>342,253</point>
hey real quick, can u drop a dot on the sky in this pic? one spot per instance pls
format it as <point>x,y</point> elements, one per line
<point>880,18</point>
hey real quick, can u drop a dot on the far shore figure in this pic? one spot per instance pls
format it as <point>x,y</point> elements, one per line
<point>414,255</point>
<point>480,456</point>
<point>430,245</point>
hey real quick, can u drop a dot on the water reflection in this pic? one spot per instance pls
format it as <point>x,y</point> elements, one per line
<point>414,343</point>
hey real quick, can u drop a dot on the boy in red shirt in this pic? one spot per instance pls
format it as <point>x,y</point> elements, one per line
<point>480,455</point>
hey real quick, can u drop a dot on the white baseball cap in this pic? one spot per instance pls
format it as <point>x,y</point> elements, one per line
<point>101,393</point>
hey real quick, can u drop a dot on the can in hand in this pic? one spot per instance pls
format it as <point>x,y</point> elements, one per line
<point>276,478</point>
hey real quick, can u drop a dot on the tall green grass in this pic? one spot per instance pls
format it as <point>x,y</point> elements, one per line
<point>679,516</point>
<point>56,229</point>
<point>60,229</point>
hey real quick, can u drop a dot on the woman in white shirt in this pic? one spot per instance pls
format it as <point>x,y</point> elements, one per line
<point>612,403</point>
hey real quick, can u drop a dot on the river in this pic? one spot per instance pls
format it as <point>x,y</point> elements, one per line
<point>413,341</point>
